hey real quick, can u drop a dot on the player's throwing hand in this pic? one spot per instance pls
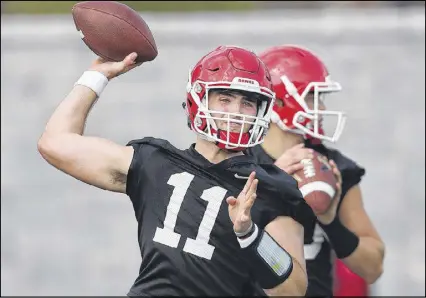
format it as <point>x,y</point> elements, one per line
<point>239,208</point>
<point>114,69</point>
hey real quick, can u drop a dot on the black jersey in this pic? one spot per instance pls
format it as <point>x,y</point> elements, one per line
<point>317,249</point>
<point>186,237</point>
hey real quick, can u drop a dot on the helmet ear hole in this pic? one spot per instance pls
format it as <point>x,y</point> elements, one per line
<point>279,103</point>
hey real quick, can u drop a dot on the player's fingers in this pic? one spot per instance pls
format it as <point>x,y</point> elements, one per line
<point>118,68</point>
<point>293,168</point>
<point>296,160</point>
<point>336,171</point>
<point>254,186</point>
<point>130,59</point>
<point>126,64</point>
<point>285,156</point>
<point>292,151</point>
<point>287,161</point>
<point>248,183</point>
<point>252,190</point>
<point>304,153</point>
<point>250,197</point>
<point>247,206</point>
<point>297,149</point>
<point>231,201</point>
<point>338,175</point>
<point>338,191</point>
<point>296,157</point>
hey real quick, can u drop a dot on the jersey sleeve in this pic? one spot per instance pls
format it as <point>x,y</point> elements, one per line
<point>279,195</point>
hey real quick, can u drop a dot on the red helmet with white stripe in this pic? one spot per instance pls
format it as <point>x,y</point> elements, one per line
<point>295,73</point>
<point>237,69</point>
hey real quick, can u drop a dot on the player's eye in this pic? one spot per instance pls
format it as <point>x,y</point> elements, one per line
<point>249,103</point>
<point>224,99</point>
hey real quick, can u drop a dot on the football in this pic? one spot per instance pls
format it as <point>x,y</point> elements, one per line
<point>317,183</point>
<point>113,30</point>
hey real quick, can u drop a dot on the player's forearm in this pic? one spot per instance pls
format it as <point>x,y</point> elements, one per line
<point>71,114</point>
<point>295,285</point>
<point>367,260</point>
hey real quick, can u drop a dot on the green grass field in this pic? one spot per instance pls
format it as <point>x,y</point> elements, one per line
<point>64,7</point>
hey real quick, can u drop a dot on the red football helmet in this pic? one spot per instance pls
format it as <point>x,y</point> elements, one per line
<point>229,67</point>
<point>295,73</point>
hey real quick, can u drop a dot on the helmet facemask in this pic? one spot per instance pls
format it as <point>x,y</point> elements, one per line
<point>308,121</point>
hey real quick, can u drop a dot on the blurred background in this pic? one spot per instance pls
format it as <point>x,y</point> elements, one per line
<point>62,237</point>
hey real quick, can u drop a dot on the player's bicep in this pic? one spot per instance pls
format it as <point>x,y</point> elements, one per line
<point>290,235</point>
<point>96,161</point>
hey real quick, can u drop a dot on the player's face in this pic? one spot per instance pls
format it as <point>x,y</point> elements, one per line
<point>229,101</point>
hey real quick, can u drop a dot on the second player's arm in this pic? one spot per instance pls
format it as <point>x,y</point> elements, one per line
<point>367,259</point>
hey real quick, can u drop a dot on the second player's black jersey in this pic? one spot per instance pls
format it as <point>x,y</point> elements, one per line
<point>317,249</point>
<point>186,238</point>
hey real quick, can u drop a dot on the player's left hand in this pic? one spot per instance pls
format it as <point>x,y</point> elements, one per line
<point>327,217</point>
<point>239,208</point>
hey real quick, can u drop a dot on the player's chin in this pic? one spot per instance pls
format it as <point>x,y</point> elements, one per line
<point>231,128</point>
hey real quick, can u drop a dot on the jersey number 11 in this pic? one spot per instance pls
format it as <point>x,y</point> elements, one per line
<point>200,245</point>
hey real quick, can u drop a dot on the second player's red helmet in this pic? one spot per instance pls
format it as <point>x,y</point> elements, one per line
<point>295,73</point>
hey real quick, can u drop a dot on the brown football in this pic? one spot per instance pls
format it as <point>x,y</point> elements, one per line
<point>113,30</point>
<point>317,182</point>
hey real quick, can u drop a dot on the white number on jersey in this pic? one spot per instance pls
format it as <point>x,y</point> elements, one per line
<point>200,245</point>
<point>313,249</point>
